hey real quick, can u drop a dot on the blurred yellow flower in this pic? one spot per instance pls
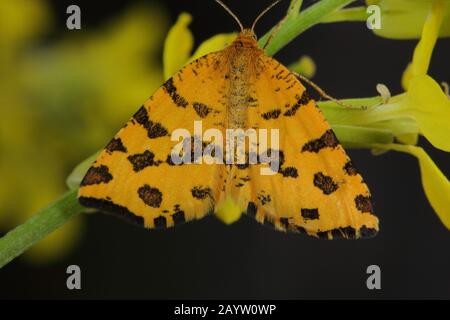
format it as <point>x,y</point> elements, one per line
<point>178,45</point>
<point>304,66</point>
<point>61,101</point>
<point>180,41</point>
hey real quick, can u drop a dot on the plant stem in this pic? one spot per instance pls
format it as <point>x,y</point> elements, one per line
<point>357,14</point>
<point>38,226</point>
<point>291,28</point>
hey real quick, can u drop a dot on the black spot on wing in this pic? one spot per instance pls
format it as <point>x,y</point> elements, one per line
<point>173,93</point>
<point>310,214</point>
<point>325,183</point>
<point>115,145</point>
<point>201,193</point>
<point>364,203</point>
<point>327,140</point>
<point>110,207</point>
<point>96,175</point>
<point>151,196</point>
<point>350,169</point>
<point>171,163</point>
<point>141,116</point>
<point>154,129</point>
<point>143,160</point>
<point>264,198</point>
<point>201,109</point>
<point>273,114</point>
<point>289,172</point>
<point>303,100</point>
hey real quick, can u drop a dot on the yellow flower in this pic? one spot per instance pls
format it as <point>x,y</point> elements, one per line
<point>178,45</point>
<point>426,103</point>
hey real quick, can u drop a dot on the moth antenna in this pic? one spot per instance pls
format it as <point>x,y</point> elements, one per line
<point>231,13</point>
<point>263,13</point>
<point>323,93</point>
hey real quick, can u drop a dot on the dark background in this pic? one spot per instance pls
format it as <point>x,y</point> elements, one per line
<point>207,259</point>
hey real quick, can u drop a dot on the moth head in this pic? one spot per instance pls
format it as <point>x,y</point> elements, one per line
<point>252,29</point>
<point>247,37</point>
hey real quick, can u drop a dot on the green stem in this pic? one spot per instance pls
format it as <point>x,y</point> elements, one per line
<point>38,226</point>
<point>294,8</point>
<point>292,27</point>
<point>358,14</point>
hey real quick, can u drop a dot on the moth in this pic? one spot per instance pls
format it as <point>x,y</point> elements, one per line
<point>315,189</point>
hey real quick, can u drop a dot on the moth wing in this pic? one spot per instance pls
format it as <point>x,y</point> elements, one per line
<point>316,189</point>
<point>134,176</point>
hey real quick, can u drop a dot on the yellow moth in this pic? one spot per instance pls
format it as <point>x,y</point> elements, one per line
<point>314,189</point>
